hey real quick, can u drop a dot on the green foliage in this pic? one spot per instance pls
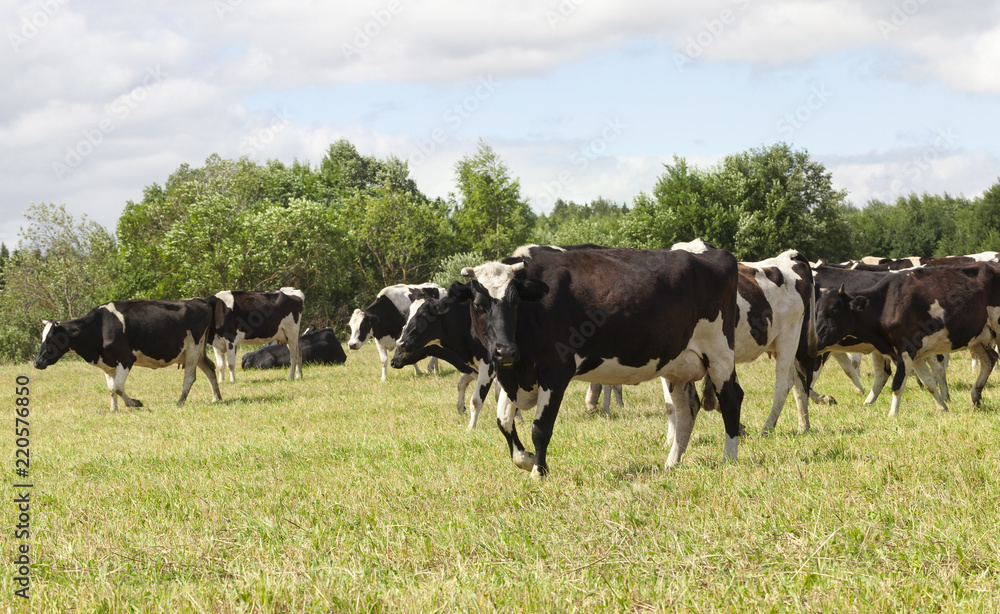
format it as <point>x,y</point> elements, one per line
<point>489,214</point>
<point>60,270</point>
<point>755,204</point>
<point>568,223</point>
<point>401,235</point>
<point>913,226</point>
<point>450,268</point>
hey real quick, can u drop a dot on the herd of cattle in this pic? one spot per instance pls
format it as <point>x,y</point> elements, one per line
<point>547,315</point>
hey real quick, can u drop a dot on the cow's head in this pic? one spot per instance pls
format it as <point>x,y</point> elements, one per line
<point>494,293</point>
<point>55,343</point>
<point>360,323</point>
<point>837,316</point>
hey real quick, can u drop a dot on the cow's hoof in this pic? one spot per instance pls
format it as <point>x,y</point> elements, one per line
<point>538,474</point>
<point>826,399</point>
<point>524,460</point>
<point>134,403</point>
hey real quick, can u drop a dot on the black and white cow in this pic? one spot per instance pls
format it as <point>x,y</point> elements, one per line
<point>611,316</point>
<point>828,278</point>
<point>443,328</point>
<point>253,318</point>
<point>777,315</point>
<point>318,346</point>
<point>120,335</point>
<point>383,320</point>
<point>915,314</point>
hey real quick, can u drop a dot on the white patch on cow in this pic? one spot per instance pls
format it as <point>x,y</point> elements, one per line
<point>226,297</point>
<point>524,251</point>
<point>121,318</point>
<point>414,308</point>
<point>47,330</point>
<point>287,329</point>
<point>936,310</point>
<point>495,277</point>
<point>871,260</point>
<point>611,371</point>
<point>986,257</point>
<point>695,247</point>
<point>289,291</point>
<point>399,294</point>
<point>355,342</point>
<point>914,261</point>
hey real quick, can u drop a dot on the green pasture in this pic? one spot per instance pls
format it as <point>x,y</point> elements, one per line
<point>341,493</point>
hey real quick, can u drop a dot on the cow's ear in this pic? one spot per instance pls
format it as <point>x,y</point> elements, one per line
<point>460,292</point>
<point>859,303</point>
<point>532,290</point>
<point>345,321</point>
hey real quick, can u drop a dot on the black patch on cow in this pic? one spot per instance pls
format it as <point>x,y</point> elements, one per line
<point>774,275</point>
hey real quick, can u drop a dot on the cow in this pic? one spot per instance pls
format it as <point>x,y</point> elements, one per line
<point>594,395</point>
<point>119,335</point>
<point>252,318</point>
<point>914,314</point>
<point>318,346</point>
<point>611,316</point>
<point>828,278</point>
<point>874,263</point>
<point>384,318</point>
<point>777,315</point>
<point>441,328</point>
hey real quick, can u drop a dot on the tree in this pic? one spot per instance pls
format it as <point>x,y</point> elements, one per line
<point>755,204</point>
<point>923,225</point>
<point>597,222</point>
<point>60,270</point>
<point>489,214</point>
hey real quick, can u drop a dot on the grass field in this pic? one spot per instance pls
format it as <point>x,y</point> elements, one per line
<point>340,493</point>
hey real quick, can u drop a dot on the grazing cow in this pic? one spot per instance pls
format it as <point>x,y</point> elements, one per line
<point>384,320</point>
<point>777,315</point>
<point>120,335</point>
<point>435,327</point>
<point>611,316</point>
<point>914,314</point>
<point>318,346</point>
<point>252,318</point>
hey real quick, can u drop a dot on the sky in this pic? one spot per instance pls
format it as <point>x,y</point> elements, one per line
<point>580,98</point>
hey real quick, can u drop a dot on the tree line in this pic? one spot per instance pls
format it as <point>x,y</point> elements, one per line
<point>343,229</point>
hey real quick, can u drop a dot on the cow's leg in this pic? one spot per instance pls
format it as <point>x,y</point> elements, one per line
<point>208,369</point>
<point>111,390</point>
<point>545,419</point>
<point>219,348</point>
<point>592,397</point>
<point>899,383</point>
<point>231,357</point>
<point>784,373</point>
<point>825,399</point>
<point>923,371</point>
<point>618,395</point>
<point>799,388</point>
<point>294,355</point>
<point>121,373</point>
<point>463,384</point>
<point>383,356</point>
<point>671,419</point>
<point>882,369</point>
<point>505,422</point>
<point>432,365</point>
<point>681,421</point>
<point>850,368</point>
<point>987,359</point>
<point>484,379</point>
<point>606,406</point>
<point>730,395</point>
<point>938,366</point>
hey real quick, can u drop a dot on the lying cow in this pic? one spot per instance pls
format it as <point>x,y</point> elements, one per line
<point>318,346</point>
<point>120,335</point>
<point>253,318</point>
<point>915,314</point>
<point>617,316</point>
<point>383,320</point>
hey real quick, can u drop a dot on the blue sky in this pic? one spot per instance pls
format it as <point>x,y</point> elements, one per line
<point>581,99</point>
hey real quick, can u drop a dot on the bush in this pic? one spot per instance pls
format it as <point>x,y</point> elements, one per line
<point>450,268</point>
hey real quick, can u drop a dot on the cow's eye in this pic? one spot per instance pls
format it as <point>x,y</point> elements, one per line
<point>478,306</point>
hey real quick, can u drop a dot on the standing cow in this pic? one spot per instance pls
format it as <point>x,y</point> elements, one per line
<point>915,314</point>
<point>120,335</point>
<point>615,316</point>
<point>253,318</point>
<point>383,320</point>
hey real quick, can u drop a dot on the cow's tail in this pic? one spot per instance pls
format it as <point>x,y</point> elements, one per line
<point>213,320</point>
